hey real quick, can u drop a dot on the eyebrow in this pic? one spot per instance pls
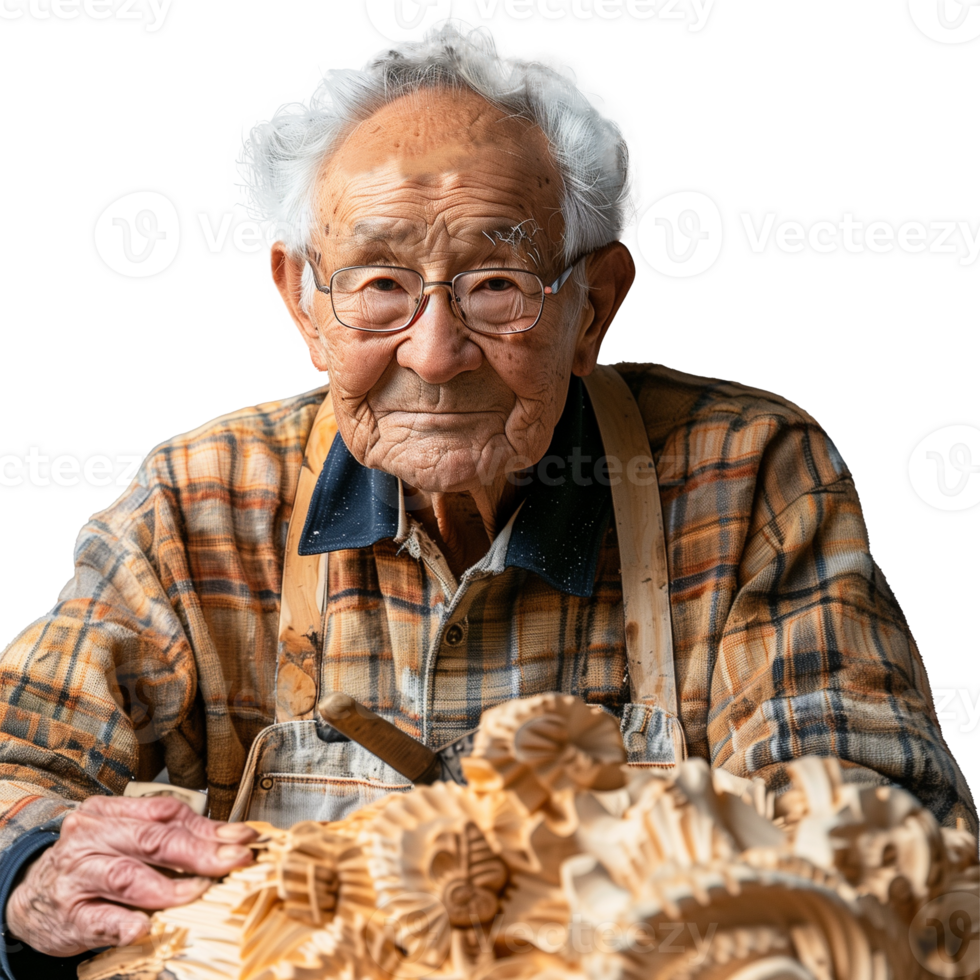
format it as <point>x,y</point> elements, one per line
<point>516,236</point>
<point>378,229</point>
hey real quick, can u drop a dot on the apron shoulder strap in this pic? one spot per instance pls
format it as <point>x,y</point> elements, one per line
<point>304,587</point>
<point>642,546</point>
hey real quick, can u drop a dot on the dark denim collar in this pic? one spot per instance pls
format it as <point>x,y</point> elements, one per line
<point>557,532</point>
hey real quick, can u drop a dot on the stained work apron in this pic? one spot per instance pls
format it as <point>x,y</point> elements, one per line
<point>293,774</point>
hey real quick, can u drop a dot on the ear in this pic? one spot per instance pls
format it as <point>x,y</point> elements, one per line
<point>610,272</point>
<point>287,273</point>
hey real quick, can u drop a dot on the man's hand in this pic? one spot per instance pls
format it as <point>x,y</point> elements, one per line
<point>74,897</point>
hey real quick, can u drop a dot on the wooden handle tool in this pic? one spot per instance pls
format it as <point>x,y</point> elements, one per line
<point>403,753</point>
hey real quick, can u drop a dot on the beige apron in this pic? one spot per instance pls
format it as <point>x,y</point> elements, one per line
<point>292,774</point>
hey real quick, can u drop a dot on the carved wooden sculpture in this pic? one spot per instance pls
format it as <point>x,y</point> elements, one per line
<point>556,862</point>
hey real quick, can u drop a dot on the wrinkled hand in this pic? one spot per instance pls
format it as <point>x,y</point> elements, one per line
<point>88,888</point>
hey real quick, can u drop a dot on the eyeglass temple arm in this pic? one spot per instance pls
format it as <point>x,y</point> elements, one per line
<point>316,277</point>
<point>560,281</point>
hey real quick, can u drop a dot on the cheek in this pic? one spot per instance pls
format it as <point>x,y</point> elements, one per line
<point>539,376</point>
<point>357,361</point>
<point>531,364</point>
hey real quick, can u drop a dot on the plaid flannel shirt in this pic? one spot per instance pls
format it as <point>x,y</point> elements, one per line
<point>162,648</point>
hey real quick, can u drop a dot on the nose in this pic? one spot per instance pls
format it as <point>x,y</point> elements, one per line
<point>437,346</point>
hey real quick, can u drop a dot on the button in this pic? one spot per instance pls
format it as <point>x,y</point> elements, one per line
<point>266,783</point>
<point>454,635</point>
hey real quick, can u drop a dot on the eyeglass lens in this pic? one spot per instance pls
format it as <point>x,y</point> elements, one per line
<point>383,298</point>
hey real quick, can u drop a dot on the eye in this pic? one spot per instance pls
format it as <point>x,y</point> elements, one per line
<point>496,285</point>
<point>385,285</point>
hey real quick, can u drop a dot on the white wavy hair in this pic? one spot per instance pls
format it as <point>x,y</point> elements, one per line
<point>284,156</point>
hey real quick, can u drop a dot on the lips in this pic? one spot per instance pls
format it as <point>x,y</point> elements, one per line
<point>421,419</point>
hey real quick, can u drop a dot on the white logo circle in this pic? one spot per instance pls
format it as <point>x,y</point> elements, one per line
<point>138,234</point>
<point>944,468</point>
<point>680,235</point>
<point>406,20</point>
<point>947,21</point>
<point>945,935</point>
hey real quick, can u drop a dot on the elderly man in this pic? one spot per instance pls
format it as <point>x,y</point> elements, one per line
<point>455,522</point>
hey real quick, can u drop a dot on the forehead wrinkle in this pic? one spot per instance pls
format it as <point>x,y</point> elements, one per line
<point>372,230</point>
<point>472,174</point>
<point>370,202</point>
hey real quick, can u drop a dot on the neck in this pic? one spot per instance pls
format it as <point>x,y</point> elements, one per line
<point>464,524</point>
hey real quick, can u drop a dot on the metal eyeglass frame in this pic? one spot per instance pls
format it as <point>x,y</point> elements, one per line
<point>423,301</point>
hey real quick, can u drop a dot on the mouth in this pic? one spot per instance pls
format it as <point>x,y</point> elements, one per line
<point>433,416</point>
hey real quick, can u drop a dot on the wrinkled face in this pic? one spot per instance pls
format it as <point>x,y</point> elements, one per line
<point>442,183</point>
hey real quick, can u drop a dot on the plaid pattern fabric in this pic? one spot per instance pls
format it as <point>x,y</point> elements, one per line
<point>162,648</point>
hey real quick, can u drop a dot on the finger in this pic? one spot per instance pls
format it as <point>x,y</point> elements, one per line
<point>105,924</point>
<point>130,882</point>
<point>168,809</point>
<point>165,844</point>
<point>94,924</point>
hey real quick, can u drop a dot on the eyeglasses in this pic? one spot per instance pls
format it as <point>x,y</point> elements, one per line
<point>385,298</point>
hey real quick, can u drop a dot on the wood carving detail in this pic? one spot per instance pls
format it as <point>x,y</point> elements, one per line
<point>557,862</point>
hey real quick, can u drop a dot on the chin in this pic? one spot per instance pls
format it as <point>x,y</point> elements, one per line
<point>445,470</point>
<point>439,479</point>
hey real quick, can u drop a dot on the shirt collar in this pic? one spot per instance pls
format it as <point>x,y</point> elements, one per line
<point>556,533</point>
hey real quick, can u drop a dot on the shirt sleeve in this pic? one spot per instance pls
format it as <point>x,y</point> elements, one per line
<point>816,657</point>
<point>18,961</point>
<point>97,692</point>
